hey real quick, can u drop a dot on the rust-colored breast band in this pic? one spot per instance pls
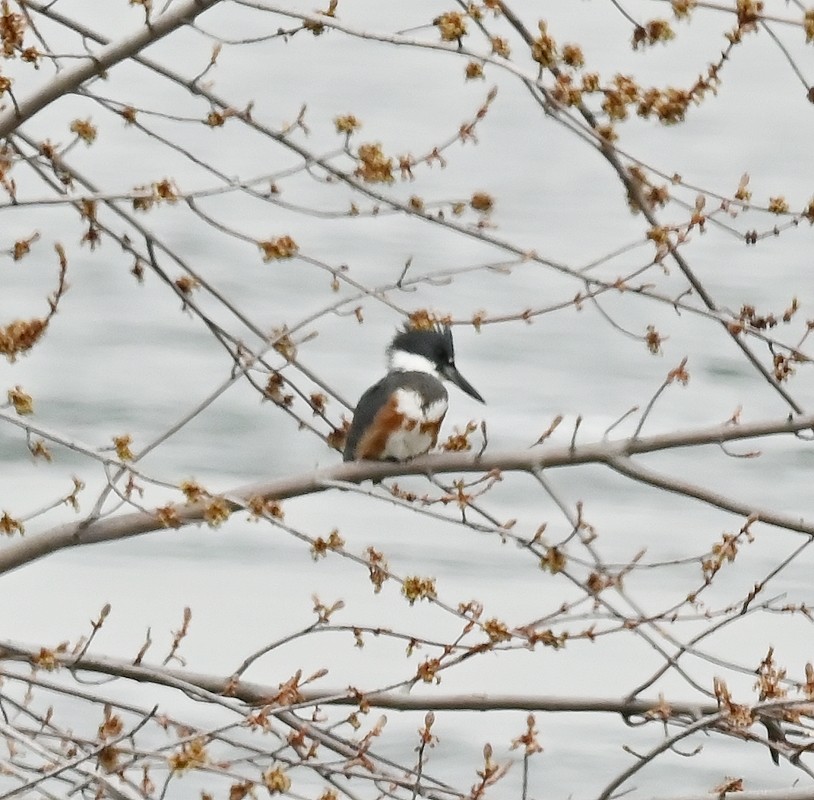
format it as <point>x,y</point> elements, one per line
<point>374,440</point>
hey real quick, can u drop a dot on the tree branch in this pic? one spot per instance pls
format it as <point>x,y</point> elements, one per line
<point>613,453</point>
<point>71,79</point>
<point>257,693</point>
<point>625,466</point>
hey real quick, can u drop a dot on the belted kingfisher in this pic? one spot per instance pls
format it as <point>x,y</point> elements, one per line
<point>399,417</point>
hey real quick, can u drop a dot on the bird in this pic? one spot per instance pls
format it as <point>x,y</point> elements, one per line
<point>399,417</point>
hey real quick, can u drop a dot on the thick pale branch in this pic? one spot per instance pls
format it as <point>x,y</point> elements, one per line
<point>690,715</point>
<point>181,13</point>
<point>259,694</point>
<point>630,469</point>
<point>613,453</point>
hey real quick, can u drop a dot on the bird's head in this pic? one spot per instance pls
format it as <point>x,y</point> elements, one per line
<point>428,350</point>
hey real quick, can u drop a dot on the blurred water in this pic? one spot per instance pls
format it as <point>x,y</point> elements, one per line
<point>124,358</point>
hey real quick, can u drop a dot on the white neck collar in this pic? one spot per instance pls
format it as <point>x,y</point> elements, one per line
<point>402,361</point>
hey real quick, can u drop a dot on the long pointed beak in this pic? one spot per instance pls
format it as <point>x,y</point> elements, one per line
<point>450,372</point>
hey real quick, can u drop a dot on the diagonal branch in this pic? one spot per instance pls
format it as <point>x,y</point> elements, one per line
<point>71,79</point>
<point>610,153</point>
<point>628,468</point>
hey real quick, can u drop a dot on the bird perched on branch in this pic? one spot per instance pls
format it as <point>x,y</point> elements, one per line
<point>399,417</point>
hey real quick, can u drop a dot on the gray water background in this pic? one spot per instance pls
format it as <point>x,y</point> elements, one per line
<point>121,358</point>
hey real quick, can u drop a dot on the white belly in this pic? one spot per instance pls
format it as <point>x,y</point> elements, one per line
<point>418,438</point>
